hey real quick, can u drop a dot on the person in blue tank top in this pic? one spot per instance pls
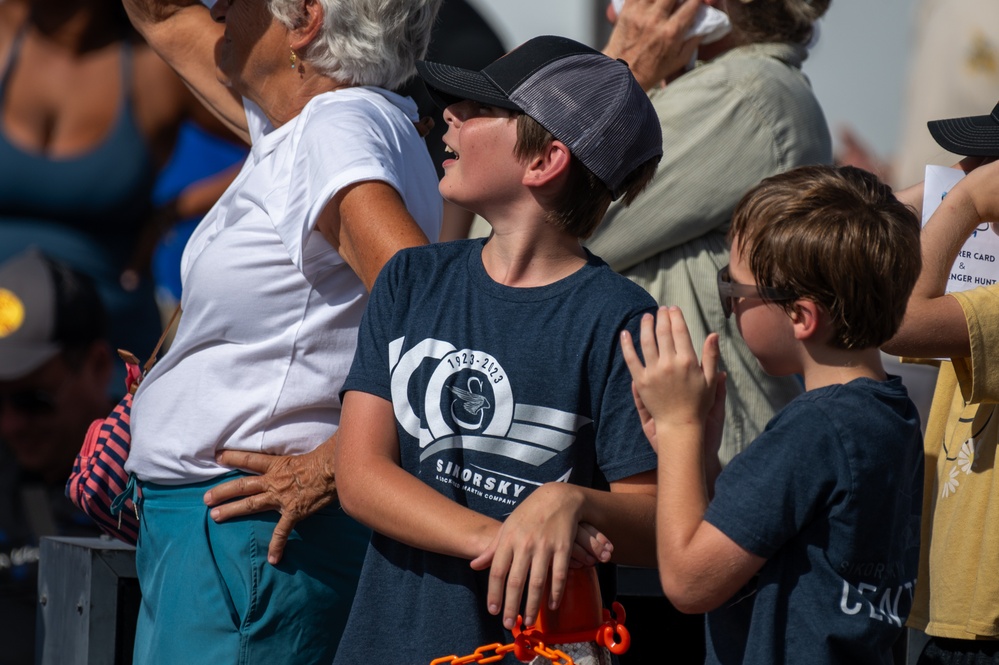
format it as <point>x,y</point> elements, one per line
<point>805,548</point>
<point>88,114</point>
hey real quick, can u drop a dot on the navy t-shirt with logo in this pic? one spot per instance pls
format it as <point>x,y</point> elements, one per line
<point>496,391</point>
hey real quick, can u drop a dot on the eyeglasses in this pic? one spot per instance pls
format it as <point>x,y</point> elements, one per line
<point>729,291</point>
<point>29,402</point>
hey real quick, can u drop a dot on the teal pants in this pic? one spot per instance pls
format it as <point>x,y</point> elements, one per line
<point>209,596</point>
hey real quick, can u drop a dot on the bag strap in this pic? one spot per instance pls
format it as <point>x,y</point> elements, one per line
<point>152,358</point>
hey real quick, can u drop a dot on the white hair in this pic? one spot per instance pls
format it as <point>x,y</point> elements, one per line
<point>366,42</point>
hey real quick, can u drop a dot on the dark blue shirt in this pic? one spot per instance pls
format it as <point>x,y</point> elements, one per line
<point>496,391</point>
<point>830,494</point>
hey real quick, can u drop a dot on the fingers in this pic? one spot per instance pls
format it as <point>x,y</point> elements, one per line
<point>630,356</point>
<point>485,560</point>
<point>247,461</point>
<point>684,18</point>
<point>580,557</point>
<point>279,539</point>
<point>251,505</point>
<point>511,574</point>
<point>721,390</point>
<point>676,328</point>
<point>654,341</point>
<point>597,546</point>
<point>710,356</point>
<point>560,573</point>
<point>499,575</point>
<point>242,486</point>
<point>535,577</point>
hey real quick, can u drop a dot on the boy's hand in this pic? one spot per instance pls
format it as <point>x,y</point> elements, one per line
<point>648,422</point>
<point>539,537</point>
<point>715,423</point>
<point>673,387</point>
<point>591,547</point>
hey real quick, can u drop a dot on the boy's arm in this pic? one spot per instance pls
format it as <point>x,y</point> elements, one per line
<point>912,196</point>
<point>934,325</point>
<point>537,539</point>
<point>699,566</point>
<point>376,491</point>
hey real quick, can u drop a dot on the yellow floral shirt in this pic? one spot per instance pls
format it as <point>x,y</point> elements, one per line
<point>957,593</point>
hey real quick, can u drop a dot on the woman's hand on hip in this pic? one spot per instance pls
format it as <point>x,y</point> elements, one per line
<point>296,486</point>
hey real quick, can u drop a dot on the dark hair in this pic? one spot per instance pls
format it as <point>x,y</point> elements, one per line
<point>759,21</point>
<point>836,236</point>
<point>584,201</point>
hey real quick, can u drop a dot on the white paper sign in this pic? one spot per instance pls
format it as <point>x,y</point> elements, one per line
<point>976,263</point>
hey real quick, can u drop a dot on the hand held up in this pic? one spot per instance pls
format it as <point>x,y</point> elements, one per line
<point>672,386</point>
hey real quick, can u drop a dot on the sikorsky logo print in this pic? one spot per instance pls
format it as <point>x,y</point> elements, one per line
<point>469,404</point>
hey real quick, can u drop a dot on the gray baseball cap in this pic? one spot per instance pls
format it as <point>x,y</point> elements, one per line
<point>45,307</point>
<point>585,99</point>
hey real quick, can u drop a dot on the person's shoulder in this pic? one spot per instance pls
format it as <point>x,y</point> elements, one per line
<point>617,292</point>
<point>861,389</point>
<point>983,298</point>
<point>859,407</point>
<point>433,257</point>
<point>417,272</point>
<point>744,68</point>
<point>365,102</point>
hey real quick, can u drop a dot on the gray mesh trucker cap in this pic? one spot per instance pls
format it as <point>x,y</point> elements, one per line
<point>973,136</point>
<point>588,101</point>
<point>45,307</point>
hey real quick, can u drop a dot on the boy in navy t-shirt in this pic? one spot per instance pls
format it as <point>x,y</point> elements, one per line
<point>805,547</point>
<point>487,434</point>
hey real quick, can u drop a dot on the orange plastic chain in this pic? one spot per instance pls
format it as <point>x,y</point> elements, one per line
<point>525,647</point>
<point>531,642</point>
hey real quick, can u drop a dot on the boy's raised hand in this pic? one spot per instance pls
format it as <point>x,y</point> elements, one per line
<point>672,386</point>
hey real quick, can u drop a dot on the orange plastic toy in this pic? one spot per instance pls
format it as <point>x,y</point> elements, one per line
<point>581,617</point>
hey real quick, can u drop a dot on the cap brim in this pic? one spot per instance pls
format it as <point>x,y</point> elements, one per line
<point>17,361</point>
<point>973,136</point>
<point>448,84</point>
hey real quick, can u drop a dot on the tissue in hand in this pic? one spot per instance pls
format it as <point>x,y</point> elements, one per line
<point>711,24</point>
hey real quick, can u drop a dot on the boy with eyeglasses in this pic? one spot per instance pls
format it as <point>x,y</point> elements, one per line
<point>805,548</point>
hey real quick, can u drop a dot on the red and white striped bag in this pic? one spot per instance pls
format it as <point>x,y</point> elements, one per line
<point>99,475</point>
<point>99,484</point>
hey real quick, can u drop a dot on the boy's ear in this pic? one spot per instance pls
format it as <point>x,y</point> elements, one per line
<point>808,318</point>
<point>548,166</point>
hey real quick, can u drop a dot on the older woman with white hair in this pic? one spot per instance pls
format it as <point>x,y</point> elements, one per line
<point>274,282</point>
